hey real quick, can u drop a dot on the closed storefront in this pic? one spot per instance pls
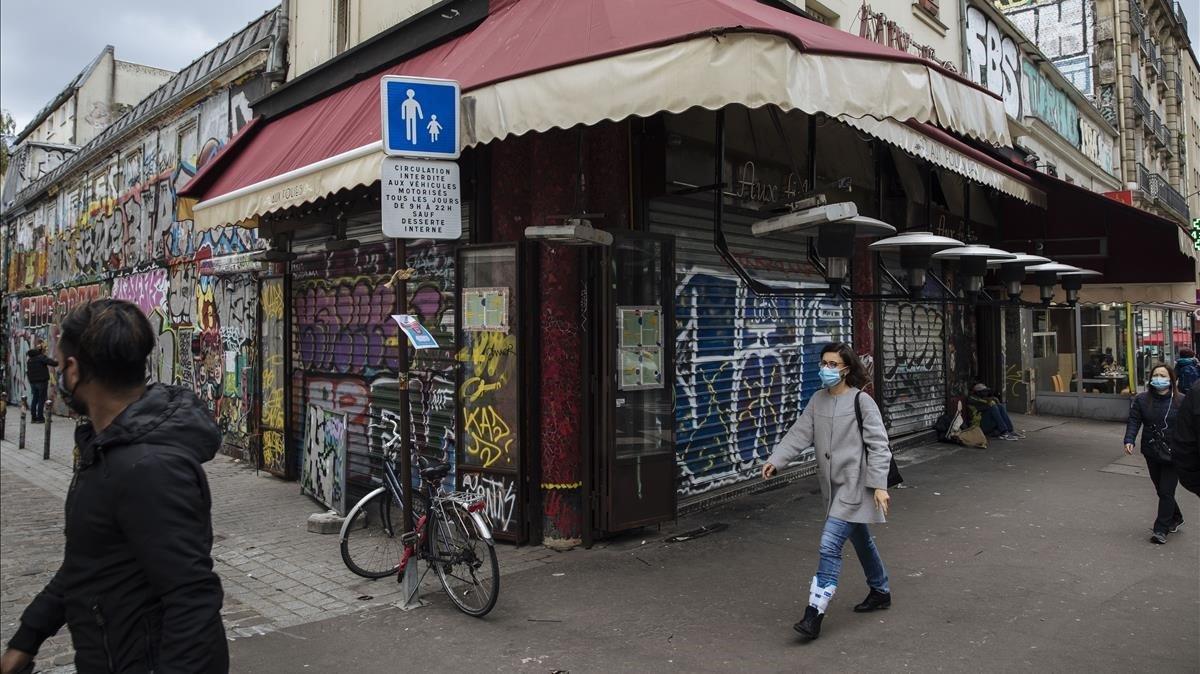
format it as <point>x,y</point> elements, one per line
<point>344,399</point>
<point>913,359</point>
<point>744,363</point>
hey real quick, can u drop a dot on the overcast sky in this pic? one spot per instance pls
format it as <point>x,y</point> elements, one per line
<point>45,43</point>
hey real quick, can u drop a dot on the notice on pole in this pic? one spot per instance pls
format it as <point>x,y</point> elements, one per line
<point>420,199</point>
<point>417,335</point>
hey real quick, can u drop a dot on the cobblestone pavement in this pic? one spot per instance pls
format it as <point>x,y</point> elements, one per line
<point>276,574</point>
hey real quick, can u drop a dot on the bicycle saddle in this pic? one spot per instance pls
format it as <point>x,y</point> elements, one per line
<point>435,471</point>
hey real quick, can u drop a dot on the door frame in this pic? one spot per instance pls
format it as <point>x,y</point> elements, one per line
<point>600,378</point>
<point>528,518</point>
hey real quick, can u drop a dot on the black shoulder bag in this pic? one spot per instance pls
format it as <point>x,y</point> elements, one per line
<point>894,477</point>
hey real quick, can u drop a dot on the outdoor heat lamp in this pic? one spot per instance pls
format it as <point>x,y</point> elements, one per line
<point>835,225</point>
<point>1072,282</point>
<point>973,261</point>
<point>1046,277</point>
<point>1012,272</point>
<point>916,253</point>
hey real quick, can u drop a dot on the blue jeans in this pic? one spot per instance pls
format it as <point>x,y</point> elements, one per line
<point>995,421</point>
<point>833,539</point>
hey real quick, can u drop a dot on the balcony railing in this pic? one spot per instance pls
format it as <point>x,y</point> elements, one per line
<point>1156,126</point>
<point>1180,17</point>
<point>1145,46</point>
<point>1135,17</point>
<point>1159,190</point>
<point>1141,107</point>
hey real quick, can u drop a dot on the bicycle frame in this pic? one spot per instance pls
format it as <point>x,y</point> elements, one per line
<point>420,547</point>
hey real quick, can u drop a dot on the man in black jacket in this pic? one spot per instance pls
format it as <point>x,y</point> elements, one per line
<point>37,371</point>
<point>136,587</point>
<point>1185,442</point>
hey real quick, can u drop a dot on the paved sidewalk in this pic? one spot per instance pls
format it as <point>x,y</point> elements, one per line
<point>275,573</point>
<point>1029,556</point>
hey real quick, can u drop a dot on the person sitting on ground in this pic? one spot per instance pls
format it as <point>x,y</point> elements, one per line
<point>992,414</point>
<point>1187,370</point>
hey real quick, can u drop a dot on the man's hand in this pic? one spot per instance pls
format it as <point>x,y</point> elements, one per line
<point>768,470</point>
<point>1129,448</point>
<point>15,662</point>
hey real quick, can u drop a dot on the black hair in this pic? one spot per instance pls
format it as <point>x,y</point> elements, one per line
<point>1187,353</point>
<point>111,340</point>
<point>856,376</point>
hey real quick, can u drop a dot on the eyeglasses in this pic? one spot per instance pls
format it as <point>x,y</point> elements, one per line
<point>831,364</point>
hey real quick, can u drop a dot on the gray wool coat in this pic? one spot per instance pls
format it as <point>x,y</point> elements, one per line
<point>848,475</point>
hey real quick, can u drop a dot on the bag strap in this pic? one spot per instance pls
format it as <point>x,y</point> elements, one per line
<point>858,415</point>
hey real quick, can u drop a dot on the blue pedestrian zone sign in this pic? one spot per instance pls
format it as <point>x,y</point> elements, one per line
<point>420,117</point>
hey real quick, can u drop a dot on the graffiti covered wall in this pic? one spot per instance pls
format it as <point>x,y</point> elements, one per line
<point>745,369</point>
<point>112,229</point>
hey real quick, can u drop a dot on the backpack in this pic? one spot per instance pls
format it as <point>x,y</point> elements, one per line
<point>1187,375</point>
<point>894,477</point>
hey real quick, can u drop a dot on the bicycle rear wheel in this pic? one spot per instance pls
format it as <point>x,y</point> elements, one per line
<point>466,564</point>
<point>371,547</point>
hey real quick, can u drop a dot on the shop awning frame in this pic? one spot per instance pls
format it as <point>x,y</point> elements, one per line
<point>533,65</point>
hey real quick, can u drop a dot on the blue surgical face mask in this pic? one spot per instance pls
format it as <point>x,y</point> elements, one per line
<point>830,377</point>
<point>1160,383</point>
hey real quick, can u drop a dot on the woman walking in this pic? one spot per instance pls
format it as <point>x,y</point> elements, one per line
<point>852,467</point>
<point>1156,409</point>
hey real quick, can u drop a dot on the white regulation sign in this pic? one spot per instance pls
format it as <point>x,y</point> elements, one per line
<point>420,199</point>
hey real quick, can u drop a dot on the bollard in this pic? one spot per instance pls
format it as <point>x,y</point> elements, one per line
<point>21,444</point>
<point>48,414</point>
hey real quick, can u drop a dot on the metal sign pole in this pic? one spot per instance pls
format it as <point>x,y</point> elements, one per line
<point>409,583</point>
<point>21,443</point>
<point>47,415</point>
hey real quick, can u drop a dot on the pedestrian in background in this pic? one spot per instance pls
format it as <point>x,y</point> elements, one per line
<point>136,586</point>
<point>37,371</point>
<point>1187,371</point>
<point>852,468</point>
<point>1154,412</point>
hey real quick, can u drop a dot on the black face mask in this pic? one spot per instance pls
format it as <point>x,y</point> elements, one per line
<point>68,395</point>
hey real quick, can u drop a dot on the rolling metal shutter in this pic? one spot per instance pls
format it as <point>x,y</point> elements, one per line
<point>745,365</point>
<point>913,352</point>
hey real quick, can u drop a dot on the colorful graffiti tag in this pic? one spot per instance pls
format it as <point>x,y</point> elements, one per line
<point>744,371</point>
<point>324,467</point>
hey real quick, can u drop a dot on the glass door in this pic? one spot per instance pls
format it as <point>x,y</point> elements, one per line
<point>637,470</point>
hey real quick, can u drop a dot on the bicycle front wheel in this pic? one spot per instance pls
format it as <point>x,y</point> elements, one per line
<point>465,563</point>
<point>371,547</point>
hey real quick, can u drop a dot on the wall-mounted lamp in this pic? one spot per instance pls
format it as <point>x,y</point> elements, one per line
<point>1011,272</point>
<point>835,225</point>
<point>1072,282</point>
<point>973,261</point>
<point>1046,277</point>
<point>573,232</point>
<point>916,252</point>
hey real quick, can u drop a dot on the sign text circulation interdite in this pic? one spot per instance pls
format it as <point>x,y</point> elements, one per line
<point>420,199</point>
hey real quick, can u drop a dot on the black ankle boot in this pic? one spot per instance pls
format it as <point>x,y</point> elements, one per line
<point>874,601</point>
<point>810,626</point>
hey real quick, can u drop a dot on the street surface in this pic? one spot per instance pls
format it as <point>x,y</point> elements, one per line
<point>1027,556</point>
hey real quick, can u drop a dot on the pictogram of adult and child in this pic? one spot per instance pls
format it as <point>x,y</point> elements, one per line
<point>410,112</point>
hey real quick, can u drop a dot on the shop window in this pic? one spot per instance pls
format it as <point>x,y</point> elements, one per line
<point>1149,350</point>
<point>1054,354</point>
<point>1105,338</point>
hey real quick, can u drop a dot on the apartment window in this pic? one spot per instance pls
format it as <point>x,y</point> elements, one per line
<point>341,26</point>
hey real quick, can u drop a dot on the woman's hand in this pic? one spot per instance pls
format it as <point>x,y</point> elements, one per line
<point>882,500</point>
<point>1129,448</point>
<point>768,470</point>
